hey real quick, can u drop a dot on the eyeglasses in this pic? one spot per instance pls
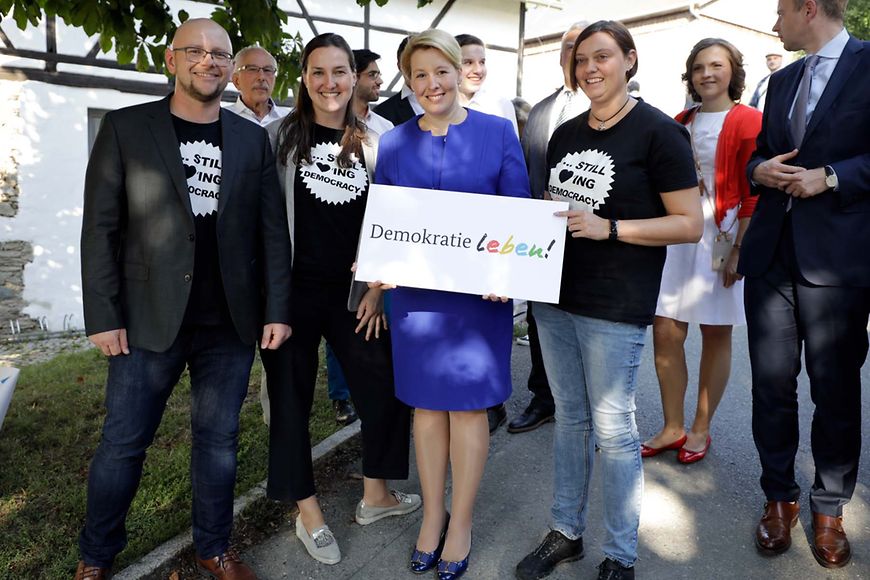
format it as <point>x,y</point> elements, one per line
<point>252,68</point>
<point>195,54</point>
<point>374,74</point>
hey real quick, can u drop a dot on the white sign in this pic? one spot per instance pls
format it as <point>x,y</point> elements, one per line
<point>8,377</point>
<point>463,242</point>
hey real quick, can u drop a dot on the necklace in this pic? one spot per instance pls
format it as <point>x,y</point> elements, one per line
<point>602,123</point>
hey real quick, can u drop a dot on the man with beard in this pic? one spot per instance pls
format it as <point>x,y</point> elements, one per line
<point>185,263</point>
<point>368,89</point>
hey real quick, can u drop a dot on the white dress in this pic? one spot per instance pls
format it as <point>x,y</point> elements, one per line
<point>691,290</point>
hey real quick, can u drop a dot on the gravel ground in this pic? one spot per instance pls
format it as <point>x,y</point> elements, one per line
<point>22,352</point>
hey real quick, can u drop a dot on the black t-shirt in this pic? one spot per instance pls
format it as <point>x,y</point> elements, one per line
<point>618,173</point>
<point>200,146</point>
<point>329,204</point>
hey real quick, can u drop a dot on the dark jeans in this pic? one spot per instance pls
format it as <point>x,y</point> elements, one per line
<point>291,373</point>
<point>784,313</point>
<point>136,392</point>
<point>538,383</point>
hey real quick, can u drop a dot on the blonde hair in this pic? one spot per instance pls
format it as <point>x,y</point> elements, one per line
<point>432,38</point>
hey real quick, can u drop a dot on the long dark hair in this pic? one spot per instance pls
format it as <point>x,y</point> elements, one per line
<point>296,130</point>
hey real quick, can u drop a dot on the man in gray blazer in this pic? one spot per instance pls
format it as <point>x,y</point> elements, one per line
<point>543,120</point>
<point>185,263</point>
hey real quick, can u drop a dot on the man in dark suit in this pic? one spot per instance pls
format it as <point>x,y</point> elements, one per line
<point>544,117</point>
<point>185,263</point>
<point>807,272</point>
<point>401,106</point>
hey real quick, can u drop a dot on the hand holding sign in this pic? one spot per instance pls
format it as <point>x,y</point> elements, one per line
<point>487,245</point>
<point>585,224</point>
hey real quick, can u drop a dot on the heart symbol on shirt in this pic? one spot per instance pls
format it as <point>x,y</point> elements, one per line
<point>189,171</point>
<point>565,175</point>
<point>323,167</point>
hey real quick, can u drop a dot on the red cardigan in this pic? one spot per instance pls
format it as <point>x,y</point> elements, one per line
<point>733,150</point>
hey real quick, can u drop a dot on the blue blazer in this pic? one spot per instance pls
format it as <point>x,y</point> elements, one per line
<point>831,230</point>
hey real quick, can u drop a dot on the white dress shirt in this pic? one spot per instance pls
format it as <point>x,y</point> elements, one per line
<point>576,105</point>
<point>376,123</point>
<point>275,112</point>
<point>407,93</point>
<point>489,103</point>
<point>828,55</point>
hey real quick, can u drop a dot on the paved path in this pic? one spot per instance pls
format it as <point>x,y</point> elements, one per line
<point>697,520</point>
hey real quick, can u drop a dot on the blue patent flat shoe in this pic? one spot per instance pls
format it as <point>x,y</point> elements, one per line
<point>452,570</point>
<point>422,562</point>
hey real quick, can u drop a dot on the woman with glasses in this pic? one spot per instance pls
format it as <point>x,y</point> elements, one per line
<point>325,160</point>
<point>451,352</point>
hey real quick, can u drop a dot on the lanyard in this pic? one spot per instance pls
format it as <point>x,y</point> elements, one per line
<point>702,183</point>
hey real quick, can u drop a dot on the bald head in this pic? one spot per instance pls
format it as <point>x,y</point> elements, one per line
<point>194,28</point>
<point>200,57</point>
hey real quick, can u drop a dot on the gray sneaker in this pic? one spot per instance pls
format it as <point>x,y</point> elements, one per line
<point>408,502</point>
<point>320,544</point>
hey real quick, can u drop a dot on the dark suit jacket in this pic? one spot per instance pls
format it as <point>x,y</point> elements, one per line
<point>832,229</point>
<point>536,136</point>
<point>396,109</point>
<point>138,230</point>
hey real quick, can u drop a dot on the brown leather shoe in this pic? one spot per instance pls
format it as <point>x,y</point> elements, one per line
<point>85,572</point>
<point>830,545</point>
<point>227,566</point>
<point>773,534</point>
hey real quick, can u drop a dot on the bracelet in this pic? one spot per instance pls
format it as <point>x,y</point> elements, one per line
<point>614,230</point>
<point>736,246</point>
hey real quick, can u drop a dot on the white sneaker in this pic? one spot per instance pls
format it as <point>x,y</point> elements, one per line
<point>408,502</point>
<point>320,544</point>
<point>523,340</point>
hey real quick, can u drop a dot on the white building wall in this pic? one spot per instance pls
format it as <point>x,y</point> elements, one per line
<point>51,138</point>
<point>47,125</point>
<point>662,51</point>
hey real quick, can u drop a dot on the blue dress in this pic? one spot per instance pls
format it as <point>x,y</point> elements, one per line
<point>451,351</point>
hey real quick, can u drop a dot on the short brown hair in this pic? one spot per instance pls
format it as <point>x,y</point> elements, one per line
<point>833,9</point>
<point>735,57</point>
<point>615,30</point>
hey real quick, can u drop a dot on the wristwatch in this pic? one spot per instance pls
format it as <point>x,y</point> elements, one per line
<point>831,177</point>
<point>614,230</point>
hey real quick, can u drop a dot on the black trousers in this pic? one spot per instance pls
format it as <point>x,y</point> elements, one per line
<point>784,313</point>
<point>538,383</point>
<point>291,373</point>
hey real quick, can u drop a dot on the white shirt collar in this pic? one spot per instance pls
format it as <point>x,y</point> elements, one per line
<point>275,112</point>
<point>835,47</point>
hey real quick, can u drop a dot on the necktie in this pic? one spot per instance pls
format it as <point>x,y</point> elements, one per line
<point>798,122</point>
<point>565,113</point>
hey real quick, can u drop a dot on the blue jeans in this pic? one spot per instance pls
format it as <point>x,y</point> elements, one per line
<point>137,389</point>
<point>592,366</point>
<point>336,384</point>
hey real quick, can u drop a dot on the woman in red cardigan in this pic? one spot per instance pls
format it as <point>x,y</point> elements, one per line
<point>700,283</point>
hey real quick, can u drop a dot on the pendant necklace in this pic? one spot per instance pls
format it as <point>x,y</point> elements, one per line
<point>602,123</point>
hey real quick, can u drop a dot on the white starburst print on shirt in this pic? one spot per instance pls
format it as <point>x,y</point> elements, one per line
<point>202,167</point>
<point>329,182</point>
<point>582,179</point>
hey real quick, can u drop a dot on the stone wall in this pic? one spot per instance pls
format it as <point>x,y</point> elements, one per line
<point>13,257</point>
<point>13,254</point>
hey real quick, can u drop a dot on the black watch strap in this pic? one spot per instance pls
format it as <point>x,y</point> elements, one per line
<point>614,230</point>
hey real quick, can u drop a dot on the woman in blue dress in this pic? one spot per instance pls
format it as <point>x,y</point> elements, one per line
<point>451,352</point>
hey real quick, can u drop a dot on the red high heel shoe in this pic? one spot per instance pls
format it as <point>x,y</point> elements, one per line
<point>687,456</point>
<point>647,451</point>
